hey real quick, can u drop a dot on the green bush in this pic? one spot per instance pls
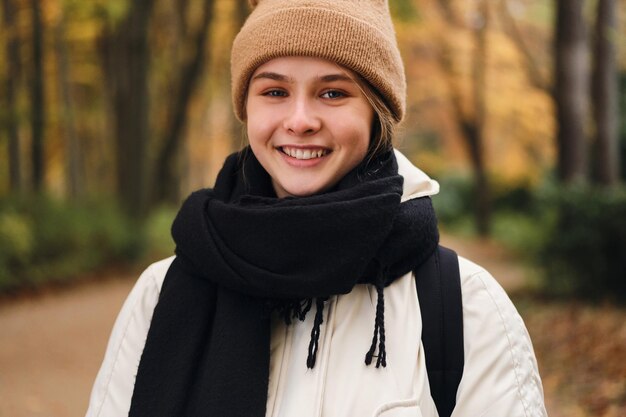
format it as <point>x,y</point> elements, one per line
<point>576,235</point>
<point>585,250</point>
<point>16,245</point>
<point>159,242</point>
<point>524,232</point>
<point>48,240</point>
<point>455,204</point>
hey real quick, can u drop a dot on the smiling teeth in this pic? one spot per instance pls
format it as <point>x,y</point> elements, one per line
<point>304,153</point>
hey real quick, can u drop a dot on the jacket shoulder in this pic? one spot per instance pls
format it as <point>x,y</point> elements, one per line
<point>501,376</point>
<point>157,271</point>
<point>112,390</point>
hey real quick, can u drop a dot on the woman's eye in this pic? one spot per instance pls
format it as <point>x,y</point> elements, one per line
<point>275,93</point>
<point>333,94</point>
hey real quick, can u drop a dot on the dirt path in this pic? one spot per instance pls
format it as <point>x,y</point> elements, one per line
<point>51,346</point>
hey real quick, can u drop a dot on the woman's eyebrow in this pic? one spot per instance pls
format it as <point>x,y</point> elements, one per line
<point>283,78</point>
<point>335,77</point>
<point>272,76</point>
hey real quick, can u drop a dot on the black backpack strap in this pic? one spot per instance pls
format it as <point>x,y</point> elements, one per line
<point>438,283</point>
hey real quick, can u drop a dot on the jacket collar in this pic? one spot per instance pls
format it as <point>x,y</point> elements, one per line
<point>416,182</point>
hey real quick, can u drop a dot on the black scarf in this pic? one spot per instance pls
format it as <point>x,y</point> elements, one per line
<point>242,252</point>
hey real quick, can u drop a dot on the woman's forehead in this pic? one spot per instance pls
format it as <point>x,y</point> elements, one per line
<point>291,66</point>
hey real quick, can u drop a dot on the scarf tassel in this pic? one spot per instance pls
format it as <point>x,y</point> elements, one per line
<point>379,327</point>
<point>298,310</point>
<point>315,332</point>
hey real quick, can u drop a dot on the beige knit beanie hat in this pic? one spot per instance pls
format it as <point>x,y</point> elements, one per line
<point>357,34</point>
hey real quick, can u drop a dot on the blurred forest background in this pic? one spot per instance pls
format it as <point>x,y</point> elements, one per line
<point>112,111</point>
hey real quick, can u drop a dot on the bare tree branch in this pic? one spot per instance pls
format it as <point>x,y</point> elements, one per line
<point>165,172</point>
<point>471,124</point>
<point>446,9</point>
<point>510,26</point>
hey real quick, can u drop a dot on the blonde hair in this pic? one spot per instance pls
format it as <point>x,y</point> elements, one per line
<point>384,123</point>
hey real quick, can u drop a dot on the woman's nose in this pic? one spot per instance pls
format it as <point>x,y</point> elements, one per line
<point>302,119</point>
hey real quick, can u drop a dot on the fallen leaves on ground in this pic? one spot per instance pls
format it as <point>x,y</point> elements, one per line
<point>581,351</point>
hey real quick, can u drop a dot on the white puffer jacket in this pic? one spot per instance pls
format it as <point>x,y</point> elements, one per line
<point>500,377</point>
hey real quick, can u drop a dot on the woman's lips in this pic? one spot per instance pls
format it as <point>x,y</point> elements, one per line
<point>303,157</point>
<point>304,153</point>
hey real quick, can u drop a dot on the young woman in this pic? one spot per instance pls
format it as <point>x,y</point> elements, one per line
<point>292,292</point>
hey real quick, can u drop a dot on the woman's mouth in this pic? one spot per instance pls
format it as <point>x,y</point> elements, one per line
<point>304,154</point>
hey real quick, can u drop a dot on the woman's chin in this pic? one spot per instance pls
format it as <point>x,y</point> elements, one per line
<point>299,190</point>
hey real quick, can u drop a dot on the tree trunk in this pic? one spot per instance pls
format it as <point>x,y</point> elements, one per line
<point>127,62</point>
<point>72,148</point>
<point>605,90</point>
<point>37,99</point>
<point>241,13</point>
<point>237,132</point>
<point>571,90</point>
<point>476,134</point>
<point>472,126</point>
<point>167,177</point>
<point>12,81</point>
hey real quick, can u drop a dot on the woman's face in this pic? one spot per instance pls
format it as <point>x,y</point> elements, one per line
<point>308,123</point>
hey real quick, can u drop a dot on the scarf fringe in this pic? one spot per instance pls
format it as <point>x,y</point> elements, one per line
<point>288,310</point>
